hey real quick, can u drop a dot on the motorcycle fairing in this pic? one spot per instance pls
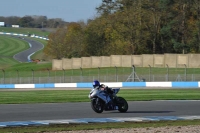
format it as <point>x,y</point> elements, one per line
<point>105,97</point>
<point>115,91</point>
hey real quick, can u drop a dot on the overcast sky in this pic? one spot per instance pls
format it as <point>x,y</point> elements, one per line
<point>68,10</point>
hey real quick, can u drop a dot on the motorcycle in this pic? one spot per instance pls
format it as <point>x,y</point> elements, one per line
<point>101,101</point>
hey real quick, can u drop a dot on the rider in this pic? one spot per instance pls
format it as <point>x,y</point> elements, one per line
<point>96,84</point>
<point>106,89</point>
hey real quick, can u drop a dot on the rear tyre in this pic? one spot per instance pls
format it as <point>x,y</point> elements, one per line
<point>97,106</point>
<point>122,104</point>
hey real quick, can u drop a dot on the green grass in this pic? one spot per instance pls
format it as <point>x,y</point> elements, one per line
<point>62,96</point>
<point>8,48</point>
<point>29,66</point>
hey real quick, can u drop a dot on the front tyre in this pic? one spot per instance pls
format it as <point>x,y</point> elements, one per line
<point>122,104</point>
<point>97,106</point>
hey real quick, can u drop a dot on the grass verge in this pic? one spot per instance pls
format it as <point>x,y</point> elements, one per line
<point>61,96</point>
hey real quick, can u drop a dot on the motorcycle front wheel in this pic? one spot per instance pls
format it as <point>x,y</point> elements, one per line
<point>122,104</point>
<point>97,106</point>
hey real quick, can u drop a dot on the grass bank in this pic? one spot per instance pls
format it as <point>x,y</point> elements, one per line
<point>9,47</point>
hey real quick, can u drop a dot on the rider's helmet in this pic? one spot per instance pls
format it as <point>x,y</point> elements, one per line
<point>95,83</point>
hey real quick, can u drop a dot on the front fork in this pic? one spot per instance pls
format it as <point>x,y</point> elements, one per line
<point>97,101</point>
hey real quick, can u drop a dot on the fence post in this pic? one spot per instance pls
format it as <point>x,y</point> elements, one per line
<point>32,75</point>
<point>98,72</point>
<point>81,77</point>
<point>185,72</point>
<point>167,72</point>
<point>3,76</point>
<point>115,73</point>
<point>133,74</point>
<point>63,75</point>
<point>48,75</point>
<point>149,73</point>
<point>17,76</point>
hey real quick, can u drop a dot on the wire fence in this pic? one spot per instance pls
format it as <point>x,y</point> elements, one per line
<point>115,74</point>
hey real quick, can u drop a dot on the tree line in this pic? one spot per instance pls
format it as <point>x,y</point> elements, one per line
<point>33,21</point>
<point>131,27</point>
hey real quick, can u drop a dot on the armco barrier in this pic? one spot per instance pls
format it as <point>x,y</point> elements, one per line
<point>15,34</point>
<point>110,84</point>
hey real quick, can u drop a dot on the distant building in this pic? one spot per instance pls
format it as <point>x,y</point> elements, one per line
<point>15,26</point>
<point>2,24</point>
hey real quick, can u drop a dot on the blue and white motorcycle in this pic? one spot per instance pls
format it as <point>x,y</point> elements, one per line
<point>101,101</point>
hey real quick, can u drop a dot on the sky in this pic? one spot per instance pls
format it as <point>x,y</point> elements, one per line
<point>68,10</point>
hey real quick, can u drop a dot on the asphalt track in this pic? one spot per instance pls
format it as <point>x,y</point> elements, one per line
<point>55,111</point>
<point>24,55</point>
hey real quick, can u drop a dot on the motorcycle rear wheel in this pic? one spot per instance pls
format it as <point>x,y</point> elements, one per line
<point>97,107</point>
<point>122,104</point>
